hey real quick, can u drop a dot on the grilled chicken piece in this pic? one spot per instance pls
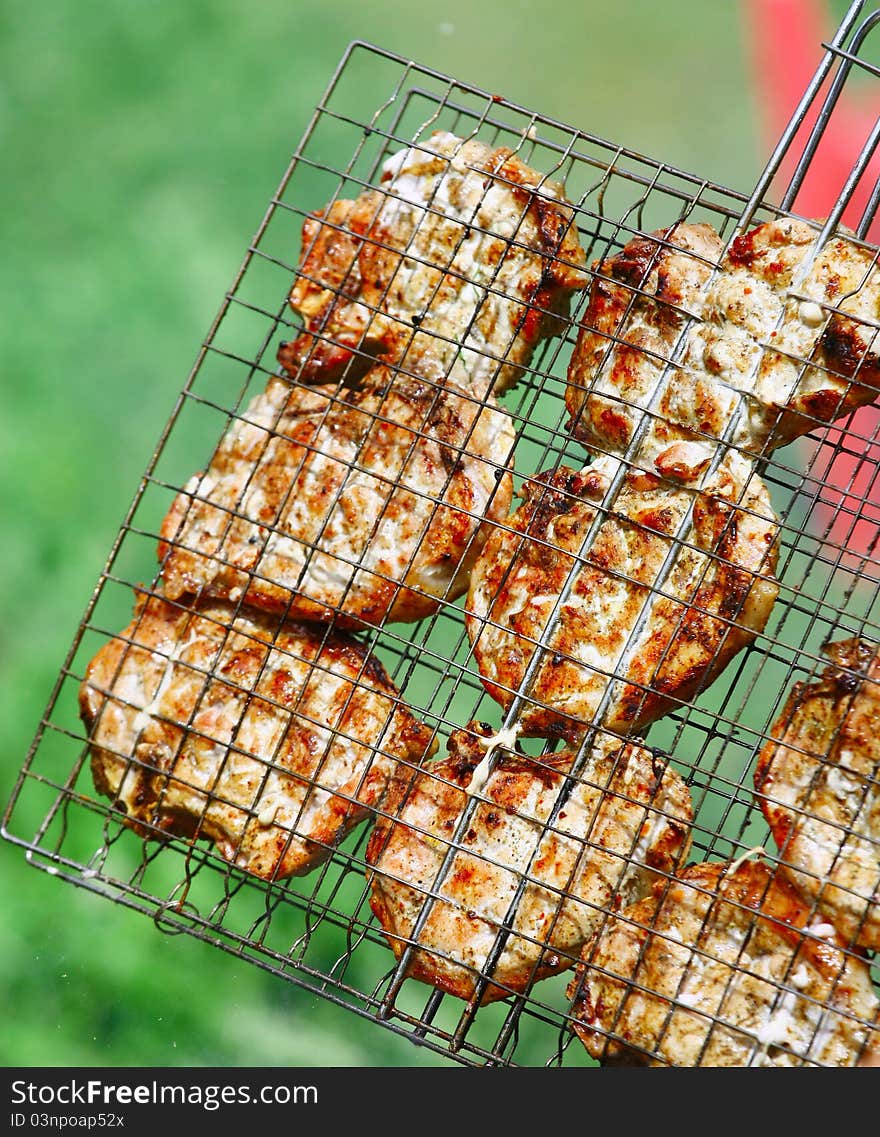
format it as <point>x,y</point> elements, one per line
<point>640,302</point>
<point>653,644</point>
<point>454,269</point>
<point>370,503</point>
<point>724,968</point>
<point>272,741</point>
<point>798,340</point>
<point>626,818</point>
<point>817,782</point>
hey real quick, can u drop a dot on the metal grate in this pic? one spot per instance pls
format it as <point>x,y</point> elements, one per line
<point>317,930</point>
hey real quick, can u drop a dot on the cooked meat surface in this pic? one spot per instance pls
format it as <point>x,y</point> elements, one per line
<point>592,602</point>
<point>454,269</point>
<point>626,818</point>
<point>790,329</point>
<point>723,967</point>
<point>272,741</point>
<point>372,503</point>
<point>640,301</point>
<point>817,781</point>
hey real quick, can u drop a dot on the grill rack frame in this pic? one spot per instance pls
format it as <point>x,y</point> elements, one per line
<point>620,168</point>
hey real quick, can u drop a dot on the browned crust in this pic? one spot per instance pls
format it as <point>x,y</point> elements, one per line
<point>434,431</point>
<point>589,1013</point>
<point>456,768</point>
<point>649,274</point>
<point>634,319</point>
<point>748,884</point>
<point>820,720</point>
<point>445,784</point>
<point>349,256</point>
<point>336,252</point>
<point>158,625</point>
<point>91,702</point>
<point>710,628</point>
<point>846,346</point>
<point>692,640</point>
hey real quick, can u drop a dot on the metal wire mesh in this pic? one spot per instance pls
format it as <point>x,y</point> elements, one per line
<point>318,930</point>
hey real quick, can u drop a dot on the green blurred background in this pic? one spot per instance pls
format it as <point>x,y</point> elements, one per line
<point>142,140</point>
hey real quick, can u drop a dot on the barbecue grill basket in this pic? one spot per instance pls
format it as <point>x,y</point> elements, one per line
<point>317,930</point>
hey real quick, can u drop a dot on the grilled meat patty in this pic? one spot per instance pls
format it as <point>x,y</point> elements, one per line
<point>797,339</point>
<point>654,644</point>
<point>454,269</point>
<point>817,781</point>
<point>272,741</point>
<point>723,967</point>
<point>370,503</point>
<point>640,301</point>
<point>626,817</point>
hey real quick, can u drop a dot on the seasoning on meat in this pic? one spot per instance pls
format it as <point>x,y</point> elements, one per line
<point>816,780</point>
<point>454,269</point>
<point>724,967</point>
<point>270,740</point>
<point>654,644</point>
<point>367,504</point>
<point>788,329</point>
<point>626,818</point>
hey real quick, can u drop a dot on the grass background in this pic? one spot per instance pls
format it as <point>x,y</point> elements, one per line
<point>142,142</point>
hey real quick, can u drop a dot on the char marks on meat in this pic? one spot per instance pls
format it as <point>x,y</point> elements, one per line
<point>786,330</point>
<point>593,608</point>
<point>454,269</point>
<point>367,504</point>
<point>625,818</point>
<point>817,783</point>
<point>272,741</point>
<point>723,967</point>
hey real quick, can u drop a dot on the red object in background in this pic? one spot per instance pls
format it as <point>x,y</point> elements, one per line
<point>784,38</point>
